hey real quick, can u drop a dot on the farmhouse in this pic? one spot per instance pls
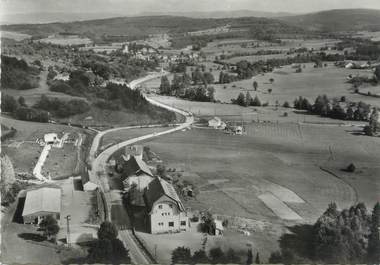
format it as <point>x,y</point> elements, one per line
<point>216,123</point>
<point>40,203</point>
<point>137,174</point>
<point>165,210</point>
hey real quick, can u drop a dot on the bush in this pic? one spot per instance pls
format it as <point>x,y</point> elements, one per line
<point>351,168</point>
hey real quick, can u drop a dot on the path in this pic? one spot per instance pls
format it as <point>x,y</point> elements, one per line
<point>98,163</point>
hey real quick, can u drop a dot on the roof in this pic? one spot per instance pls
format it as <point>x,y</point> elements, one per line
<point>218,224</point>
<point>134,150</point>
<point>158,188</point>
<point>136,165</point>
<point>216,119</point>
<point>50,137</point>
<point>42,200</point>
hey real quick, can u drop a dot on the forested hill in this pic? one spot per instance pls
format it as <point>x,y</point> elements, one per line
<point>337,20</point>
<point>145,25</point>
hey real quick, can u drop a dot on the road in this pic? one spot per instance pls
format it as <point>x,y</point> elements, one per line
<point>98,163</point>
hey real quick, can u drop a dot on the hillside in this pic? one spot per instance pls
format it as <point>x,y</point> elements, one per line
<point>337,20</point>
<point>221,14</point>
<point>135,27</point>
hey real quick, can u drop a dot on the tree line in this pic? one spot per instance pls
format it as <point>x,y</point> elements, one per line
<point>348,236</point>
<point>182,255</point>
<point>17,74</point>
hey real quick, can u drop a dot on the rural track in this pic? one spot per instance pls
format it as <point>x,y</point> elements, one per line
<point>98,163</point>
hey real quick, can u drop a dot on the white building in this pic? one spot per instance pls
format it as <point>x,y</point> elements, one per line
<point>165,210</point>
<point>217,123</point>
<point>51,138</point>
<point>40,203</point>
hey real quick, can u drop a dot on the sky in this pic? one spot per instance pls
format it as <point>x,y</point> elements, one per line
<point>131,7</point>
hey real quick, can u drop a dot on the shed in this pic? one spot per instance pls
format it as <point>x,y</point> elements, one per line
<point>40,203</point>
<point>50,138</point>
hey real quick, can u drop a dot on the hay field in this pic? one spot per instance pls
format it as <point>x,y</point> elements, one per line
<point>288,85</point>
<point>246,164</point>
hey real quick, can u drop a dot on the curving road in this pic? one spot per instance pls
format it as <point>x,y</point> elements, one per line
<point>98,163</point>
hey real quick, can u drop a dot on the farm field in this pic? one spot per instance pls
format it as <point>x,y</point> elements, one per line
<point>236,174</point>
<point>288,85</point>
<point>14,35</point>
<point>66,41</point>
<point>246,164</point>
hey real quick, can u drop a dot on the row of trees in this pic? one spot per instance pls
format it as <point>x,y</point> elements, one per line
<point>182,255</point>
<point>19,110</point>
<point>325,107</point>
<point>247,100</point>
<point>181,86</point>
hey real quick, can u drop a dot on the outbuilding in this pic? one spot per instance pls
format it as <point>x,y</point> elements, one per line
<point>40,203</point>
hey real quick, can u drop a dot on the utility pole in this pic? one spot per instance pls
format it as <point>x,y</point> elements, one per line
<point>68,218</point>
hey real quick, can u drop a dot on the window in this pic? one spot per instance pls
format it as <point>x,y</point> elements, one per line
<point>171,224</point>
<point>160,206</point>
<point>171,205</point>
<point>183,223</point>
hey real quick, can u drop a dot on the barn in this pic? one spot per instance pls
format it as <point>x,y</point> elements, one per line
<point>40,203</point>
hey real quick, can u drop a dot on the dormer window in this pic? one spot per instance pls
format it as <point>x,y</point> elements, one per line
<point>160,206</point>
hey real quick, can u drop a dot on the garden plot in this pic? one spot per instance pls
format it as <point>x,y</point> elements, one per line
<point>279,207</point>
<point>281,192</point>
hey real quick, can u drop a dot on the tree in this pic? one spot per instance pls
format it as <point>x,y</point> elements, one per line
<point>270,90</point>
<point>248,99</point>
<point>108,231</point>
<point>208,224</point>
<point>200,257</point>
<point>216,255</point>
<point>256,102</point>
<point>271,80</point>
<point>377,73</point>
<point>241,100</point>
<point>255,85</point>
<point>257,259</point>
<point>286,104</point>
<point>374,236</point>
<point>181,255</point>
<point>374,121</point>
<point>50,226</point>
<point>231,257</point>
<point>249,257</point>
<point>108,251</point>
<point>208,78</point>
<point>8,103</point>
<point>165,85</point>
<point>211,93</point>
<point>351,168</point>
<point>21,101</point>
<point>275,258</point>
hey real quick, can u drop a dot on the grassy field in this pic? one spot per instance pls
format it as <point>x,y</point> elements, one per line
<point>66,41</point>
<point>288,85</point>
<point>233,172</point>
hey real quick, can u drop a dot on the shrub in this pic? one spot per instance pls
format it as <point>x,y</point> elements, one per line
<point>351,168</point>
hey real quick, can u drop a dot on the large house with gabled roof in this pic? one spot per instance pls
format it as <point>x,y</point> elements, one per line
<point>165,210</point>
<point>136,173</point>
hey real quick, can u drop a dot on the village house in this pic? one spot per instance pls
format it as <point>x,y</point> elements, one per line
<point>165,210</point>
<point>40,203</point>
<point>216,123</point>
<point>134,150</point>
<point>136,173</point>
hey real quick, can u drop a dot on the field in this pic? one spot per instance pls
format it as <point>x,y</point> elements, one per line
<point>14,35</point>
<point>267,177</point>
<point>66,41</point>
<point>288,85</point>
